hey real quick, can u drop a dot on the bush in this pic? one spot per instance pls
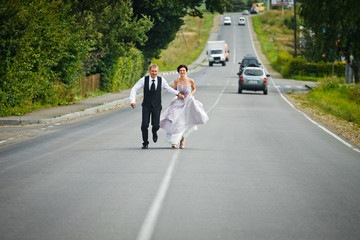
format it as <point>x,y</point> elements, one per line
<point>299,67</point>
<point>282,60</point>
<point>126,71</point>
<point>39,48</point>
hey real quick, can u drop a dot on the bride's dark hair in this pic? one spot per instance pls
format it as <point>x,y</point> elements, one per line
<point>182,66</point>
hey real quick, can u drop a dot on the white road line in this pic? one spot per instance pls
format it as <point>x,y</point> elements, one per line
<point>317,124</point>
<point>234,47</point>
<point>218,98</point>
<point>148,226</point>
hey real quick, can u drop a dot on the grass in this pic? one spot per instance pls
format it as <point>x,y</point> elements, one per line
<point>273,33</point>
<point>335,98</point>
<point>188,44</point>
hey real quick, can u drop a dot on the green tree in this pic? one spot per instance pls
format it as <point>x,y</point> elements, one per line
<point>167,17</point>
<point>40,51</point>
<point>46,45</point>
<point>238,5</point>
<point>113,30</point>
<point>335,24</point>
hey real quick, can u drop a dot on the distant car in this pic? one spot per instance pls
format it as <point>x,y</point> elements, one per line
<point>245,12</point>
<point>248,60</point>
<point>253,78</point>
<point>241,21</point>
<point>227,21</point>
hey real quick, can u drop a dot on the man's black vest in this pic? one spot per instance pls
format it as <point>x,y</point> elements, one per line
<point>152,100</point>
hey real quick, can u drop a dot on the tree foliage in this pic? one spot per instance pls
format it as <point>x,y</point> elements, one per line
<point>113,31</point>
<point>40,50</point>
<point>240,5</point>
<point>167,17</point>
<point>47,45</point>
<point>336,28</point>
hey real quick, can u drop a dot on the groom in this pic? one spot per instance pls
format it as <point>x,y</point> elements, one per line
<point>151,105</point>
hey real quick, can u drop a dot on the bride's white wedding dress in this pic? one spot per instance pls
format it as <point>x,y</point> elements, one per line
<point>182,116</point>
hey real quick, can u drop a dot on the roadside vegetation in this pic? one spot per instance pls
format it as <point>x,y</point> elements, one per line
<point>46,47</point>
<point>188,43</point>
<point>332,96</point>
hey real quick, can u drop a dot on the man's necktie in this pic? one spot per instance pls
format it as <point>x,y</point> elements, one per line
<point>152,89</point>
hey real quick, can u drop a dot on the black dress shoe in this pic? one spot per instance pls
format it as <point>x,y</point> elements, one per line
<point>155,137</point>
<point>145,146</point>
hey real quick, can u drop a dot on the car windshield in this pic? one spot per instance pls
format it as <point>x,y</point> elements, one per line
<point>248,62</point>
<point>254,72</point>
<point>216,51</point>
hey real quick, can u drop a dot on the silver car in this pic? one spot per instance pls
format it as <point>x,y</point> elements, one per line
<point>253,78</point>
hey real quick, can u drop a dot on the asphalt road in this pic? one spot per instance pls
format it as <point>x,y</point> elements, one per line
<point>259,169</point>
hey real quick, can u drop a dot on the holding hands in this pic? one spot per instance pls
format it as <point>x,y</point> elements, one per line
<point>181,96</point>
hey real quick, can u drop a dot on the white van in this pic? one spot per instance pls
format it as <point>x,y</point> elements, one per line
<point>241,21</point>
<point>227,21</point>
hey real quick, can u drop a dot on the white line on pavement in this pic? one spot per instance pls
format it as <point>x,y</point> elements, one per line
<point>147,228</point>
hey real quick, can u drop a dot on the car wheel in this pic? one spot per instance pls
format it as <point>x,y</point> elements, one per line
<point>210,64</point>
<point>224,63</point>
<point>265,91</point>
<point>239,89</point>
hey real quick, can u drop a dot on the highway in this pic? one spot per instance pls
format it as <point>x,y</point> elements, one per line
<point>258,169</point>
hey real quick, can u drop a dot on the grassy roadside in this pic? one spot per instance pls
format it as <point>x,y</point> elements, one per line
<point>188,44</point>
<point>332,103</point>
<point>273,34</point>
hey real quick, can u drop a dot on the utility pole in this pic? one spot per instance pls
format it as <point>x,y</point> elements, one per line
<point>295,52</point>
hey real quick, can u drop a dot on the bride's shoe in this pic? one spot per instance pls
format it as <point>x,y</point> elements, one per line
<point>182,143</point>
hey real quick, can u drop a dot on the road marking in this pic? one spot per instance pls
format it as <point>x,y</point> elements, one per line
<point>218,98</point>
<point>306,116</point>
<point>234,47</point>
<point>148,226</point>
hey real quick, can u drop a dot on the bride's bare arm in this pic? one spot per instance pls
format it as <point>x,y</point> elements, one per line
<point>176,83</point>
<point>192,86</point>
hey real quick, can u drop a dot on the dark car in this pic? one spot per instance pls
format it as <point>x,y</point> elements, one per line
<point>248,61</point>
<point>253,78</point>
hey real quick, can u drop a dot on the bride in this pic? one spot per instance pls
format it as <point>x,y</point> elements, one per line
<point>182,116</point>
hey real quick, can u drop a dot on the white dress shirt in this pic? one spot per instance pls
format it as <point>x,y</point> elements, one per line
<point>140,84</point>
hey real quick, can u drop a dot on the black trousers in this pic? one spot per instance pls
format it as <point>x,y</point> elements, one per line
<point>154,114</point>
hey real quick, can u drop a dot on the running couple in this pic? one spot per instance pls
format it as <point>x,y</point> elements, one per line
<point>180,118</point>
